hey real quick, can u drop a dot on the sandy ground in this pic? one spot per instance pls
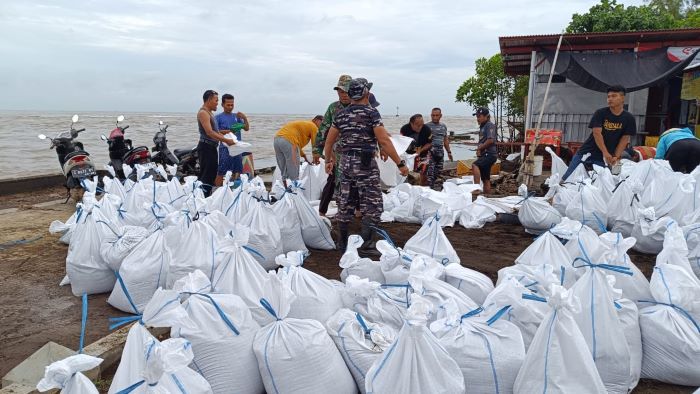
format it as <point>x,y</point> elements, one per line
<point>35,309</point>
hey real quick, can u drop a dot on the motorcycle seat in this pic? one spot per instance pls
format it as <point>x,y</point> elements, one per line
<point>181,152</point>
<point>76,153</point>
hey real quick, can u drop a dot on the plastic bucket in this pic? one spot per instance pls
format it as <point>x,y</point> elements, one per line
<point>537,170</point>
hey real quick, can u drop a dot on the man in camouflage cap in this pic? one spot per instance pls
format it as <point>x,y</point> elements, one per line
<point>359,128</point>
<point>333,109</point>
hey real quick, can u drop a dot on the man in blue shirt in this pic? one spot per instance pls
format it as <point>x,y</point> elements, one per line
<point>681,148</point>
<point>227,120</point>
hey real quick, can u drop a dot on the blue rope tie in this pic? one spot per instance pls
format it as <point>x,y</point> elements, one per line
<point>83,323</point>
<point>268,308</point>
<point>679,309</point>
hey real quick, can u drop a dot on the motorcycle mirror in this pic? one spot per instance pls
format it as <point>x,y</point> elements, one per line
<point>160,122</point>
<point>41,136</point>
<point>120,118</point>
<point>75,118</point>
<point>103,137</point>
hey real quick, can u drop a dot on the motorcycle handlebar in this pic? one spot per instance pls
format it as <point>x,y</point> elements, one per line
<point>165,128</point>
<point>78,131</point>
<point>125,127</point>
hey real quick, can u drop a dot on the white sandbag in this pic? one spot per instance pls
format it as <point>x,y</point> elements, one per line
<point>670,327</point>
<point>474,284</point>
<point>64,229</point>
<point>394,262</point>
<point>629,318</point>
<point>431,241</point>
<point>237,272</point>
<point>546,249</point>
<point>524,313</point>
<point>559,167</point>
<point>152,365</point>
<point>288,220</point>
<point>634,287</point>
<point>353,264</point>
<point>297,355</point>
<point>222,343</point>
<point>316,297</point>
<point>195,250</point>
<point>416,362</point>
<point>314,178</point>
<point>117,246</point>
<point>589,208</point>
<point>649,231</point>
<point>476,215</point>
<point>314,230</point>
<point>385,303</point>
<point>488,350</point>
<point>536,278</point>
<point>537,216</point>
<point>87,271</point>
<point>558,358</point>
<point>265,236</point>
<point>221,224</point>
<point>223,196</point>
<point>389,173</point>
<point>562,196</point>
<point>360,341</point>
<point>66,375</point>
<point>692,237</point>
<point>239,147</point>
<point>438,292</point>
<point>600,326</point>
<point>142,272</point>
<point>675,248</point>
<point>623,207</point>
<point>604,181</point>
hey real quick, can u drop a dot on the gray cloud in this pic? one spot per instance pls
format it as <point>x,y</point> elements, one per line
<point>275,56</point>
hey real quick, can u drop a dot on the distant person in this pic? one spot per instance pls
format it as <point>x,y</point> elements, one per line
<point>441,144</point>
<point>612,127</point>
<point>333,109</point>
<point>486,151</point>
<point>681,148</point>
<point>227,121</point>
<point>422,144</point>
<point>209,138</point>
<point>289,144</point>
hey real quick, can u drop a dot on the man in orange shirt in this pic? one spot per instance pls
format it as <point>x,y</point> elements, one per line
<point>289,143</point>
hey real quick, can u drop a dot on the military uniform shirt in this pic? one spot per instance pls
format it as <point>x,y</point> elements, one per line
<point>356,125</point>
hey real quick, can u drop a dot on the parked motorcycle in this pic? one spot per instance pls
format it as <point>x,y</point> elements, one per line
<point>74,160</point>
<point>121,150</point>
<point>184,159</point>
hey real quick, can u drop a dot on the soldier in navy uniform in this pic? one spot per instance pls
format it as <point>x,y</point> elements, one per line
<point>359,128</point>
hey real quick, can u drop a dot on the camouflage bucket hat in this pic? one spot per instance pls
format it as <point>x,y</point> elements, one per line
<point>343,83</point>
<point>358,88</point>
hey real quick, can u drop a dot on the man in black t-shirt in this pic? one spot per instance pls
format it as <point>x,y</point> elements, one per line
<point>422,145</point>
<point>611,130</point>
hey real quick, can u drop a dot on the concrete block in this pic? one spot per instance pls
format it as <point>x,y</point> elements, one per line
<point>30,371</point>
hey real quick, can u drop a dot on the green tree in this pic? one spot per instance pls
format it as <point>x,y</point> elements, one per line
<point>491,87</point>
<point>679,9</point>
<point>608,15</point>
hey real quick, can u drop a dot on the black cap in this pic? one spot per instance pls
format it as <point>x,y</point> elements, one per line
<point>481,111</point>
<point>373,100</point>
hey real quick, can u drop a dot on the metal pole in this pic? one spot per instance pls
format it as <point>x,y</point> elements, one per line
<point>530,161</point>
<point>531,90</point>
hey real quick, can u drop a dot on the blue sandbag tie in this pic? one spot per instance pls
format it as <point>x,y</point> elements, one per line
<point>134,387</point>
<point>126,292</point>
<point>562,275</point>
<point>471,313</point>
<point>266,304</point>
<point>498,315</point>
<point>360,320</point>
<point>220,311</point>
<point>678,308</point>
<point>83,323</point>
<point>123,320</point>
<point>533,297</point>
<point>253,251</point>
<point>610,267</point>
<point>384,235</point>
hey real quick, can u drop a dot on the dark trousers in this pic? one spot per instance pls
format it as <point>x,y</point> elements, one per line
<point>208,165</point>
<point>684,155</point>
<point>327,193</point>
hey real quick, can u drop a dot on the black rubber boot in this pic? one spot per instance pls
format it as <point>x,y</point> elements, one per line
<point>342,242</point>
<point>368,248</point>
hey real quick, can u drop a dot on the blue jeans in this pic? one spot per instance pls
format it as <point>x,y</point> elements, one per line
<point>576,160</point>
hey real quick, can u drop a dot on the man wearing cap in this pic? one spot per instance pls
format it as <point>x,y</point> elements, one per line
<point>343,101</point>
<point>486,150</point>
<point>359,129</point>
<point>209,139</point>
<point>612,128</point>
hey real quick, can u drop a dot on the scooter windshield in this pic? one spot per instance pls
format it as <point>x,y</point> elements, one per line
<point>64,135</point>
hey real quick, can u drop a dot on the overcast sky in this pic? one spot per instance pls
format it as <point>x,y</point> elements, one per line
<point>274,56</point>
